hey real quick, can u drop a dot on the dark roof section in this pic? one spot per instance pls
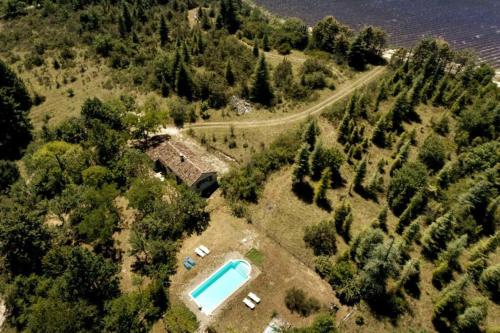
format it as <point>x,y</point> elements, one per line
<point>180,160</point>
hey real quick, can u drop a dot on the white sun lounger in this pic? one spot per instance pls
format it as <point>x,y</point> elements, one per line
<point>199,252</point>
<point>249,303</point>
<point>254,297</point>
<point>204,249</point>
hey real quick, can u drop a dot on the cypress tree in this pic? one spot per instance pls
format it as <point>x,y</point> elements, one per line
<point>229,74</point>
<point>183,82</point>
<point>261,91</point>
<point>163,31</point>
<point>301,169</point>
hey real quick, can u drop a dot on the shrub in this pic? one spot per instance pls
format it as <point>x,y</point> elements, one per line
<point>432,153</point>
<point>321,238</point>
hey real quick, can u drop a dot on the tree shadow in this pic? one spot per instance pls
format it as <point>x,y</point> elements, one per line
<point>325,204</point>
<point>303,191</point>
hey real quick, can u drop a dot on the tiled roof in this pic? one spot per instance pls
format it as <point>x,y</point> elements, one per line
<point>180,160</point>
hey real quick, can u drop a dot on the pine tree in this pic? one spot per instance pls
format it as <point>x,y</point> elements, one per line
<point>317,161</point>
<point>261,91</point>
<point>265,42</point>
<point>183,82</point>
<point>320,195</point>
<point>401,158</point>
<point>382,219</point>
<point>301,169</point>
<point>344,128</point>
<point>378,136</point>
<point>437,235</point>
<point>359,176</point>
<point>228,17</point>
<point>255,49</point>
<point>164,32</point>
<point>416,206</point>
<point>229,74</point>
<point>439,95</point>
<point>341,215</point>
<point>309,135</point>
<point>127,22</point>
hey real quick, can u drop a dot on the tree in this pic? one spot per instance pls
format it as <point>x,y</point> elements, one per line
<point>8,175</point>
<point>310,134</point>
<point>163,31</point>
<point>265,42</point>
<point>359,176</point>
<point>184,83</point>
<point>342,219</point>
<point>356,56</point>
<point>255,49</point>
<point>261,91</point>
<point>320,195</point>
<point>296,300</point>
<point>301,169</point>
<point>228,17</point>
<point>125,22</point>
<point>229,75</point>
<point>321,238</point>
<point>283,75</point>
<point>24,239</point>
<point>382,219</point>
<point>179,318</point>
<point>490,282</point>
<point>437,235</point>
<point>449,305</point>
<point>404,184</point>
<point>15,104</point>
<point>379,136</point>
<point>432,153</point>
<point>328,35</point>
<point>417,204</point>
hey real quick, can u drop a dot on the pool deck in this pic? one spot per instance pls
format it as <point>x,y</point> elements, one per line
<point>209,269</point>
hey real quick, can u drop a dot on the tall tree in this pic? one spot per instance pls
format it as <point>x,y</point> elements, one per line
<point>301,169</point>
<point>163,31</point>
<point>15,102</point>
<point>183,82</point>
<point>230,79</point>
<point>261,91</point>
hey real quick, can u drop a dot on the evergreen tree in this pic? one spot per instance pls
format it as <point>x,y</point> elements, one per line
<point>359,176</point>
<point>401,158</point>
<point>228,17</point>
<point>344,128</point>
<point>320,195</point>
<point>15,103</point>
<point>379,136</point>
<point>183,82</point>
<point>439,95</point>
<point>261,91</point>
<point>310,134</point>
<point>342,218</point>
<point>382,219</point>
<point>400,112</point>
<point>437,235</point>
<point>255,49</point>
<point>230,79</point>
<point>417,204</point>
<point>265,42</point>
<point>126,21</point>
<point>301,169</point>
<point>164,32</point>
<point>356,56</point>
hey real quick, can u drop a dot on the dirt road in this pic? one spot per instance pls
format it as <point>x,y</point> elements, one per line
<point>342,91</point>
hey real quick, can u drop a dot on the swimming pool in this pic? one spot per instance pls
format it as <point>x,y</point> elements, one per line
<point>212,292</point>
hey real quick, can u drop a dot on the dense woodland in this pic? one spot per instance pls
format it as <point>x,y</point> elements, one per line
<point>61,186</point>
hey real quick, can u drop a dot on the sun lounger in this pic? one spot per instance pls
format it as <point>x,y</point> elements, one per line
<point>204,249</point>
<point>187,264</point>
<point>191,261</point>
<point>254,297</point>
<point>199,252</point>
<point>249,303</point>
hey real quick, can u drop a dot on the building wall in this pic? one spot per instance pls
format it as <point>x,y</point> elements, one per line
<point>205,181</point>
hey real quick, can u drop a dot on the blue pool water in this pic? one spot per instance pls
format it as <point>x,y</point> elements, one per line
<point>212,292</point>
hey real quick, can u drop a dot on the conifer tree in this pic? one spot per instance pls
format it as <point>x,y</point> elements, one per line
<point>320,195</point>
<point>401,158</point>
<point>317,161</point>
<point>379,136</point>
<point>342,218</point>
<point>437,235</point>
<point>416,206</point>
<point>301,169</point>
<point>261,91</point>
<point>164,32</point>
<point>229,74</point>
<point>344,128</point>
<point>255,49</point>
<point>265,42</point>
<point>183,82</point>
<point>360,175</point>
<point>309,135</point>
<point>126,21</point>
<point>439,95</point>
<point>382,219</point>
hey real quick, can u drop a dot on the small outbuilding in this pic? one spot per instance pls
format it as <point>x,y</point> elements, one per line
<point>186,166</point>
